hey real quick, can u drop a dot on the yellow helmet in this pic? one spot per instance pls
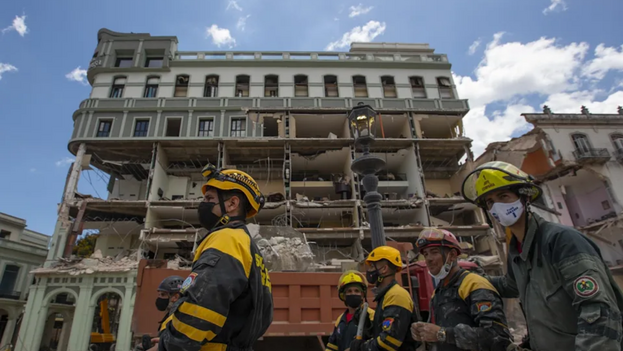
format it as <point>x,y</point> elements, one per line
<point>497,175</point>
<point>385,253</point>
<point>352,277</point>
<point>232,179</point>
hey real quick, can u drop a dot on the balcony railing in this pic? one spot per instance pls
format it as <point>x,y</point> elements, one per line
<point>304,56</point>
<point>592,155</point>
<point>10,294</point>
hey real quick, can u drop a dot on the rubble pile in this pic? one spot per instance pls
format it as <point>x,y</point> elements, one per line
<point>96,263</point>
<point>285,254</point>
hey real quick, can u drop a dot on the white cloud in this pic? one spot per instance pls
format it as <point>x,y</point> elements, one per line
<point>33,170</point>
<point>359,10</point>
<point>233,4</point>
<point>18,25</point>
<point>65,161</point>
<point>366,33</point>
<point>571,102</point>
<point>242,22</point>
<point>556,5</point>
<point>5,67</point>
<point>78,75</point>
<point>606,58</point>
<point>220,36</point>
<point>472,48</point>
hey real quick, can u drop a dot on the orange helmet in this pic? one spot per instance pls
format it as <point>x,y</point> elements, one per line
<point>430,237</point>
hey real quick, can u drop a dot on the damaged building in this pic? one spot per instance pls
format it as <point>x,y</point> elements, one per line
<point>156,116</point>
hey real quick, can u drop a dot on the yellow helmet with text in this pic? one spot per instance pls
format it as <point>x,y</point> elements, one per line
<point>385,253</point>
<point>352,278</point>
<point>232,179</point>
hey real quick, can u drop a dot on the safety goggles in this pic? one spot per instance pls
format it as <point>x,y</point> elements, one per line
<point>431,235</point>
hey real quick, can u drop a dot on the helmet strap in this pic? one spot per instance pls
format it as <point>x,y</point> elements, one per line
<point>225,218</point>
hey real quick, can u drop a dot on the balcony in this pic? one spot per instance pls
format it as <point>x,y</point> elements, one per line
<point>592,156</point>
<point>9,294</point>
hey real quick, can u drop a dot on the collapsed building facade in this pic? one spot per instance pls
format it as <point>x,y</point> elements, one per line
<point>156,116</point>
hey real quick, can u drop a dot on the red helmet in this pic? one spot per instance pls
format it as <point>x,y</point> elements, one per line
<point>430,237</point>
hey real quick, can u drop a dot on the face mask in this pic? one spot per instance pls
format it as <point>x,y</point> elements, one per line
<point>507,214</point>
<point>162,304</point>
<point>373,276</point>
<point>353,301</point>
<point>443,273</point>
<point>207,218</point>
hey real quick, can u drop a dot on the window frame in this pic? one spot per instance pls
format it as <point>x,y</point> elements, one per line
<point>391,86</point>
<point>124,58</point>
<point>580,135</point>
<point>99,120</point>
<point>117,87</point>
<point>272,88</point>
<point>203,119</point>
<point>359,84</point>
<point>166,123</point>
<point>150,87</point>
<point>215,87</point>
<point>237,84</point>
<point>135,122</point>
<point>231,124</point>
<point>179,86</point>
<point>443,87</point>
<point>337,89</point>
<point>16,281</point>
<point>148,59</point>
<point>305,85</point>
<point>613,138</point>
<point>414,87</point>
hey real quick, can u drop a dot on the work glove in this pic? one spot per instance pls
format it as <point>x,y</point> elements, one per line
<point>356,345</point>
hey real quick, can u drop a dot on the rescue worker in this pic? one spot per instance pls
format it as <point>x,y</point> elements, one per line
<point>394,306</point>
<point>168,294</point>
<point>569,297</point>
<point>226,301</point>
<point>468,311</point>
<point>352,289</point>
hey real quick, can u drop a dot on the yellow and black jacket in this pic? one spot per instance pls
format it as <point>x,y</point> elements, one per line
<point>392,321</point>
<point>344,332</point>
<point>226,301</point>
<point>472,312</point>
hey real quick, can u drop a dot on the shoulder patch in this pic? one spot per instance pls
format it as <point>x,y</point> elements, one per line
<point>188,282</point>
<point>483,306</point>
<point>398,296</point>
<point>585,286</point>
<point>473,282</point>
<point>387,324</point>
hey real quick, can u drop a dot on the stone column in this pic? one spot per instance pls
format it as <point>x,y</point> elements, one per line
<point>63,340</point>
<point>9,329</point>
<point>124,333</point>
<point>81,326</point>
<point>28,337</point>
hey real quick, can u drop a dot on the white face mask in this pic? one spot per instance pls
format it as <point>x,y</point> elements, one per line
<point>507,214</point>
<point>443,272</point>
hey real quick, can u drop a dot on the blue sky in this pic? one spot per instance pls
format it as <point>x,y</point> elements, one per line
<point>563,53</point>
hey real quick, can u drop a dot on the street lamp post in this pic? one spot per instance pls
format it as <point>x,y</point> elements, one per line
<point>362,120</point>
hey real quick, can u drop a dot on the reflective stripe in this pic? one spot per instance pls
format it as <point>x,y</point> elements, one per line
<point>393,341</point>
<point>213,346</point>
<point>166,321</point>
<point>191,332</point>
<point>202,313</point>
<point>384,345</point>
<point>331,346</point>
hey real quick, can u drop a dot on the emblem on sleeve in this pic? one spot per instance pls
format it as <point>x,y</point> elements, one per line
<point>585,286</point>
<point>387,324</point>
<point>483,306</point>
<point>188,282</point>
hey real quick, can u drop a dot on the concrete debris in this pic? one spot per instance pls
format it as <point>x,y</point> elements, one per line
<point>485,261</point>
<point>77,266</point>
<point>179,263</point>
<point>97,254</point>
<point>285,254</point>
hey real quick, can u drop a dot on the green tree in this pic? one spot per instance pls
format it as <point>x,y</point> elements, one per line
<point>85,246</point>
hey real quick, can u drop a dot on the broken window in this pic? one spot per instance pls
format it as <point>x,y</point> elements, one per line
<point>211,88</point>
<point>242,85</point>
<point>123,62</point>
<point>151,88</point>
<point>174,125</point>
<point>206,127</point>
<point>617,140</point>
<point>103,129</point>
<point>117,87</point>
<point>9,278</point>
<point>417,87</point>
<point>141,127</point>
<point>154,62</point>
<point>445,88</point>
<point>580,141</point>
<point>181,85</point>
<point>4,234</point>
<point>361,89</point>
<point>389,87</point>
<point>271,86</point>
<point>300,86</point>
<point>238,127</point>
<point>330,86</point>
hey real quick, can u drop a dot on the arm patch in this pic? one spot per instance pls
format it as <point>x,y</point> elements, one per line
<point>585,286</point>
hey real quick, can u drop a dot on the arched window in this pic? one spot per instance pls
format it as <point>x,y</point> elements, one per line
<point>330,86</point>
<point>117,87</point>
<point>151,88</point>
<point>360,86</point>
<point>211,87</point>
<point>301,86</point>
<point>417,87</point>
<point>445,88</point>
<point>271,85</point>
<point>389,87</point>
<point>242,85</point>
<point>581,143</point>
<point>181,85</point>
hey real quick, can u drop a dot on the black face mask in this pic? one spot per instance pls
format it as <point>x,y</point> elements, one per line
<point>207,218</point>
<point>162,304</point>
<point>353,301</point>
<point>373,276</point>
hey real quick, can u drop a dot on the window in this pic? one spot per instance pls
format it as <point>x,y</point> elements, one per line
<point>417,87</point>
<point>300,86</point>
<point>206,127</point>
<point>242,85</point>
<point>211,88</point>
<point>330,86</point>
<point>141,127</point>
<point>580,141</point>
<point>123,62</point>
<point>238,127</point>
<point>151,88</point>
<point>174,125</point>
<point>117,87</point>
<point>617,140</point>
<point>9,278</point>
<point>103,129</point>
<point>389,87</point>
<point>154,62</point>
<point>552,150</point>
<point>445,88</point>
<point>271,86</point>
<point>181,86</point>
<point>5,234</point>
<point>359,83</point>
